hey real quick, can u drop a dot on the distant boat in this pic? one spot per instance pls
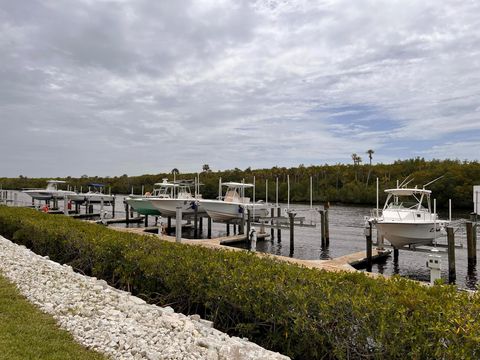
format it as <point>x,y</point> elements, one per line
<point>143,203</point>
<point>407,218</point>
<point>180,197</point>
<point>50,192</point>
<point>233,204</point>
<point>94,195</point>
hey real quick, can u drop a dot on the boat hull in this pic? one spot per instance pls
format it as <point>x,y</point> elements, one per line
<point>226,211</point>
<point>143,206</point>
<point>403,234</point>
<point>48,194</point>
<point>168,207</point>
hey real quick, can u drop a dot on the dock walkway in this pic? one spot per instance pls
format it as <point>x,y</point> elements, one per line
<point>343,263</point>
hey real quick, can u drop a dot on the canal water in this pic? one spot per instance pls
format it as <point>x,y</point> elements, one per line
<point>346,237</point>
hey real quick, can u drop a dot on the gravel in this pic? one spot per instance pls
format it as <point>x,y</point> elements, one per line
<point>114,322</point>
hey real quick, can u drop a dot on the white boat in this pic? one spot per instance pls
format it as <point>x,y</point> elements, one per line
<point>143,203</point>
<point>50,192</point>
<point>233,204</point>
<point>182,197</point>
<point>407,218</point>
<point>94,195</point>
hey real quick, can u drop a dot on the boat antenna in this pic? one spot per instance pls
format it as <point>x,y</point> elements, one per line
<point>431,182</point>
<point>403,182</point>
<point>405,185</point>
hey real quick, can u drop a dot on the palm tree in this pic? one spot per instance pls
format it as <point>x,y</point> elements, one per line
<point>370,152</point>
<point>206,168</point>
<point>356,159</point>
<point>175,171</point>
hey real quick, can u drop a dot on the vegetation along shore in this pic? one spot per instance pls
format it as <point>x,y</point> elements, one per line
<point>349,184</point>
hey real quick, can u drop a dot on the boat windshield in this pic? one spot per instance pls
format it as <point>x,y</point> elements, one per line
<point>406,202</point>
<point>183,192</point>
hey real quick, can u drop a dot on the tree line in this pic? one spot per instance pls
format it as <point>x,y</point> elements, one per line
<point>339,183</point>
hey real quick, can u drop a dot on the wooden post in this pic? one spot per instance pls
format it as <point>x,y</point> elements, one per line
<point>146,220</point>
<point>169,224</point>
<point>368,237</point>
<point>209,227</point>
<point>178,224</point>
<point>291,216</point>
<point>327,227</point>
<point>471,244</point>
<point>113,206</point>
<point>395,255</point>
<point>279,230</point>
<point>102,204</point>
<point>272,230</point>
<point>65,206</point>
<point>248,226</point>
<point>228,228</point>
<point>234,229</point>
<point>200,226</point>
<point>322,228</point>
<point>241,226</point>
<point>127,214</point>
<point>451,254</point>
<point>195,222</point>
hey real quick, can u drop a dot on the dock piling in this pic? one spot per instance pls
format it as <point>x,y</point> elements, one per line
<point>249,219</point>
<point>169,224</point>
<point>228,228</point>
<point>291,216</point>
<point>65,206</point>
<point>195,222</point>
<point>146,220</point>
<point>102,212</point>
<point>471,243</point>
<point>322,227</point>
<point>327,227</point>
<point>178,224</point>
<point>272,231</point>
<point>451,255</point>
<point>279,231</point>
<point>241,226</point>
<point>127,215</point>
<point>368,236</point>
<point>395,255</point>
<point>209,227</point>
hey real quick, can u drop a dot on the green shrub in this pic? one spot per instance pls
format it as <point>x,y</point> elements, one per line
<point>303,313</point>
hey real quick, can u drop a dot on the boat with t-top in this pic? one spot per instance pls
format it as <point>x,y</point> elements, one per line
<point>407,218</point>
<point>181,197</point>
<point>143,205</point>
<point>234,204</point>
<point>51,192</point>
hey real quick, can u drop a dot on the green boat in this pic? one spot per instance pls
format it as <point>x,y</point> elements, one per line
<point>142,203</point>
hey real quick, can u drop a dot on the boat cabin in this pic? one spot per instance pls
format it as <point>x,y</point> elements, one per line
<point>236,192</point>
<point>408,199</point>
<point>53,184</point>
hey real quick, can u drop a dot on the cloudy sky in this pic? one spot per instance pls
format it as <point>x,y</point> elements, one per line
<point>143,86</point>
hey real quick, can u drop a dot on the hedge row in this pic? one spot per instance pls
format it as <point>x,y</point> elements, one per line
<point>303,313</point>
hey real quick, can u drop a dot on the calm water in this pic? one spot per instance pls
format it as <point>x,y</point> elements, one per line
<point>346,237</point>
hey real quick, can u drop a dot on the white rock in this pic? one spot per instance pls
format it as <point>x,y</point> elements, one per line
<point>113,321</point>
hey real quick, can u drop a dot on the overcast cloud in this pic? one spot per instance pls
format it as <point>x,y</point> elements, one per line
<point>112,87</point>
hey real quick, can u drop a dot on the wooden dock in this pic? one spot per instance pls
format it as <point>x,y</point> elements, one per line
<point>343,263</point>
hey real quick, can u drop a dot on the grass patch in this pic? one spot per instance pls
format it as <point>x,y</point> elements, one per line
<point>27,333</point>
